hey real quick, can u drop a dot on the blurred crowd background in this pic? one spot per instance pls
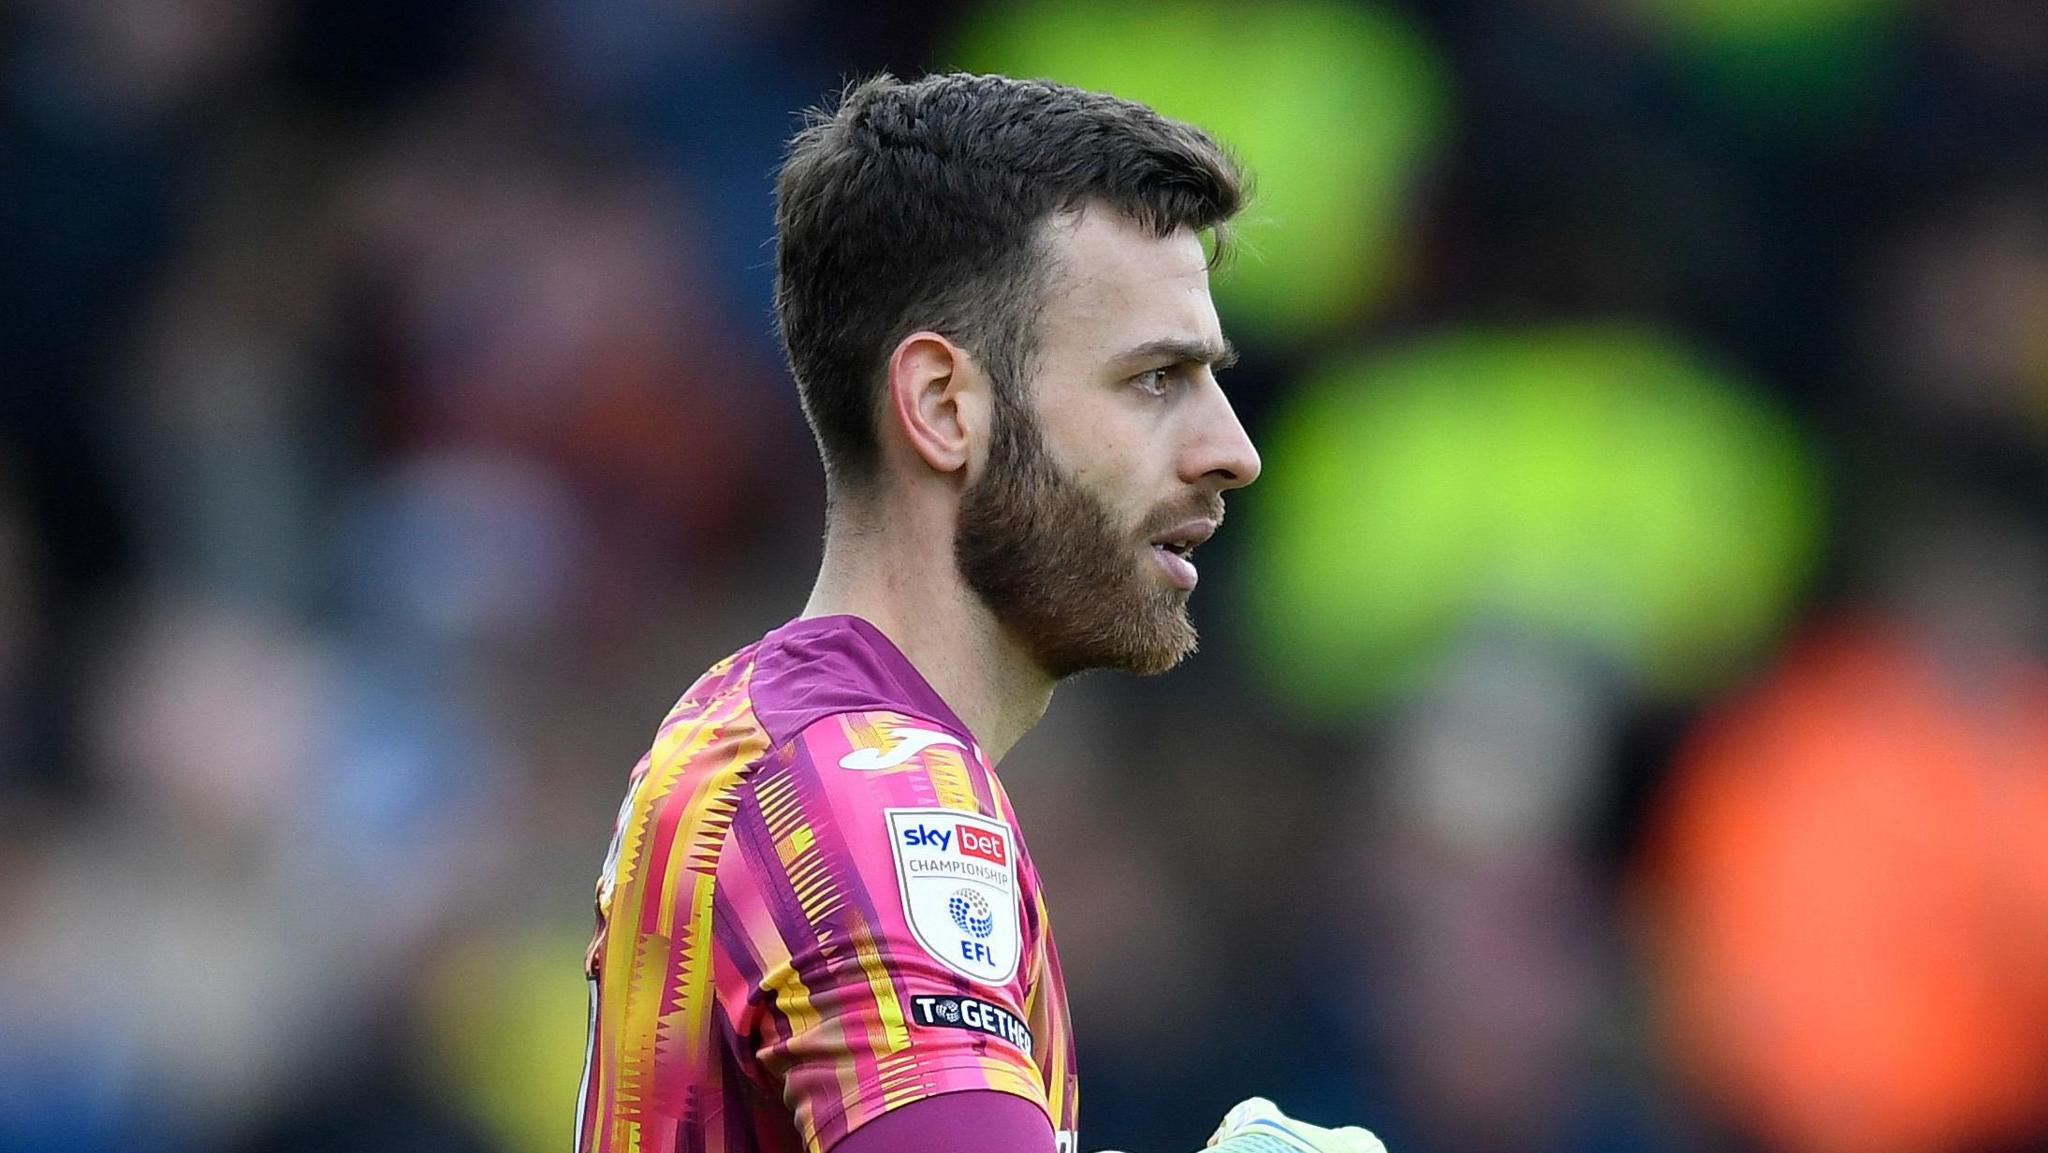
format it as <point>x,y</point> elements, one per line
<point>1622,719</point>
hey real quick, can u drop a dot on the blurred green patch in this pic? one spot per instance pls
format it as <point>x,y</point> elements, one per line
<point>1605,486</point>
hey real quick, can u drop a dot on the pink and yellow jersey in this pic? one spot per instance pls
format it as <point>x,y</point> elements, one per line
<point>817,908</point>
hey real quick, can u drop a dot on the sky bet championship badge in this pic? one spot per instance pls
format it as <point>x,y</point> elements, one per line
<point>958,873</point>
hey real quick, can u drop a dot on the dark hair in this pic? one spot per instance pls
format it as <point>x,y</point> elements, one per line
<point>917,205</point>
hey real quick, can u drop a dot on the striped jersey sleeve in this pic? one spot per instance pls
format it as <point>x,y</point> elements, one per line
<point>872,930</point>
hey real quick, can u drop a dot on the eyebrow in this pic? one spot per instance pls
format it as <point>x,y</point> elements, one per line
<point>1174,350</point>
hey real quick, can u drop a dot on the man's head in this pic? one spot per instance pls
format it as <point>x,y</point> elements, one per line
<point>996,290</point>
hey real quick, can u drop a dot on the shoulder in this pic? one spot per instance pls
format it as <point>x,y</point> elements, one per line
<point>818,668</point>
<point>887,827</point>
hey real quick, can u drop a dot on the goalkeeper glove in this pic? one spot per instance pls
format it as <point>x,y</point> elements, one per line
<point>1258,1126</point>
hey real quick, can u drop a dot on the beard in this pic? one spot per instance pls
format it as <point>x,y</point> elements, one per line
<point>1058,571</point>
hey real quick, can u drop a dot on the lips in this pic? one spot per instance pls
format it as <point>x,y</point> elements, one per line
<point>1175,548</point>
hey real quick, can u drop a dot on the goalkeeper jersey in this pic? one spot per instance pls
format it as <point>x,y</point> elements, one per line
<point>817,907</point>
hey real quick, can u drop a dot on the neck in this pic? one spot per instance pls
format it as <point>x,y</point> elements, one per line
<point>929,613</point>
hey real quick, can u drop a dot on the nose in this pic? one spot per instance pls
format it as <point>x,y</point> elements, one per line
<point>1219,452</point>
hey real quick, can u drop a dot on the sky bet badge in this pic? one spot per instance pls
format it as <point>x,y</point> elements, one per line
<point>958,873</point>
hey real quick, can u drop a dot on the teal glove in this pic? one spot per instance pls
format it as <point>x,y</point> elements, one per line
<point>1258,1126</point>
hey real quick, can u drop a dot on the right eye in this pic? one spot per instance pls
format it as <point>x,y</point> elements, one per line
<point>1155,382</point>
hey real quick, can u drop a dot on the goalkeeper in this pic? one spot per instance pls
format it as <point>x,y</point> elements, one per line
<point>819,926</point>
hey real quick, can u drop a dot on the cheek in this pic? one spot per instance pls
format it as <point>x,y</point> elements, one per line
<point>1113,461</point>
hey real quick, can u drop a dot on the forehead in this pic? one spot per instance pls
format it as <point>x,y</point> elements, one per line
<point>1115,285</point>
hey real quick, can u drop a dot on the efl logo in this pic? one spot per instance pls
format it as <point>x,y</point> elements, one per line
<point>979,843</point>
<point>959,883</point>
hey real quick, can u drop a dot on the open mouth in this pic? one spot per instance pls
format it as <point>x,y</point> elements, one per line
<point>1175,550</point>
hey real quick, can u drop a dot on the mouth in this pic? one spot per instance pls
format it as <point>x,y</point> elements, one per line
<point>1175,549</point>
<point>1182,539</point>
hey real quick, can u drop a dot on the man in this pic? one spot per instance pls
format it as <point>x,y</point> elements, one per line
<point>819,927</point>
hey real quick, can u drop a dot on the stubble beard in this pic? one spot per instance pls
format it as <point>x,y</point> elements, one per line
<point>1057,570</point>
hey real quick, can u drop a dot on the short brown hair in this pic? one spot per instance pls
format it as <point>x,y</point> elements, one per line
<point>916,205</point>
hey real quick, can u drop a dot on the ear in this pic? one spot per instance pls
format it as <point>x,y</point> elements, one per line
<point>937,400</point>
